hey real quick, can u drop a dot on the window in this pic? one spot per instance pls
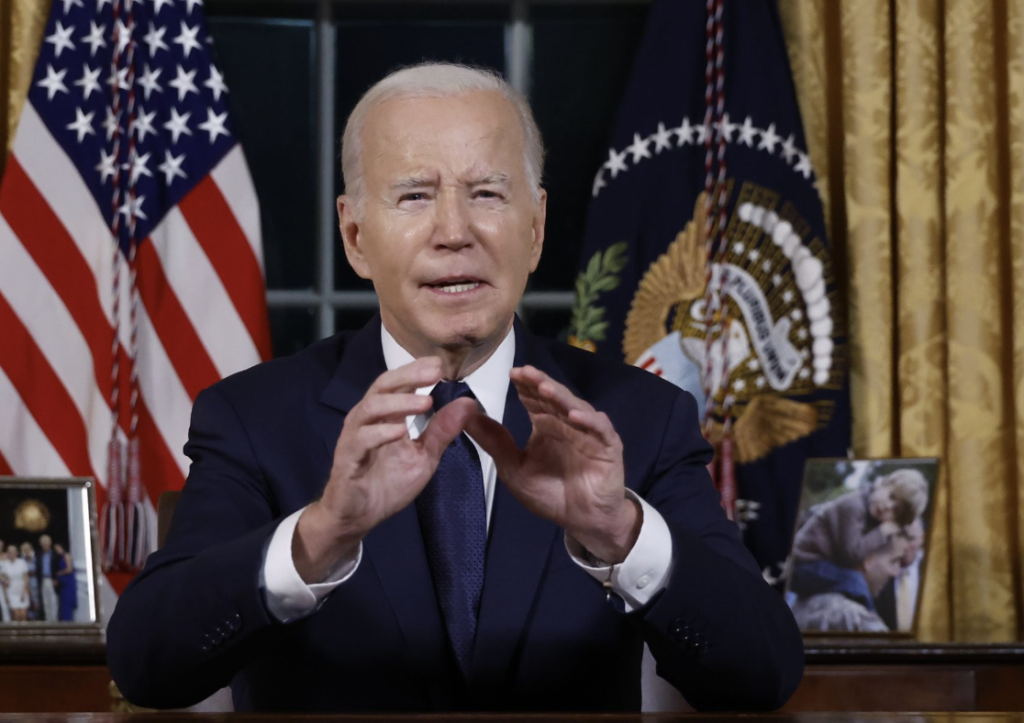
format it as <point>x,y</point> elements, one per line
<point>296,69</point>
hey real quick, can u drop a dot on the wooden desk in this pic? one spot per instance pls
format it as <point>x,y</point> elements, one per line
<point>533,718</point>
<point>841,676</point>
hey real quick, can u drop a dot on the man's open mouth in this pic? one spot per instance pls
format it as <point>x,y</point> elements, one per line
<point>455,286</point>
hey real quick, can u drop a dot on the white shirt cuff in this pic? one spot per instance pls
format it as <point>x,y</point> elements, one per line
<point>288,596</point>
<point>645,571</point>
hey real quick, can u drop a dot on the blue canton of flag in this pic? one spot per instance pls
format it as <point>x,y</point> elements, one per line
<point>775,370</point>
<point>142,148</point>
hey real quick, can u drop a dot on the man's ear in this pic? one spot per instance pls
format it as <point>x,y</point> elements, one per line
<point>351,236</point>
<point>539,216</point>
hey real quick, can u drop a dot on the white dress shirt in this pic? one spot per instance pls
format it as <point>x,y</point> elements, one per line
<point>637,579</point>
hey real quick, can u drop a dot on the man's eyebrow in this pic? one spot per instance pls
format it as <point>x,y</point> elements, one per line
<point>412,182</point>
<point>491,178</point>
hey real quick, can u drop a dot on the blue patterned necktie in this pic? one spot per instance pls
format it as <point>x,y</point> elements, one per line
<point>454,522</point>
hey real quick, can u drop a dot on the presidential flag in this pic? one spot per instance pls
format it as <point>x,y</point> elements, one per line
<point>706,259</point>
<point>131,269</point>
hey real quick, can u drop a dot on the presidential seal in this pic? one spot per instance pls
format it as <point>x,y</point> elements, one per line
<point>777,347</point>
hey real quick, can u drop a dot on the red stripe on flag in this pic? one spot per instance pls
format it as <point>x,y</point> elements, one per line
<point>217,230</point>
<point>160,472</point>
<point>5,468</point>
<point>43,392</point>
<point>181,342</point>
<point>58,257</point>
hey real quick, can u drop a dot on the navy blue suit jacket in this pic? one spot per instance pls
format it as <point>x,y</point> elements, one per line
<point>261,445</point>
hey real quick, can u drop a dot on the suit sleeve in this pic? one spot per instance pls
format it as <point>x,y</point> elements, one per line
<point>195,614</point>
<point>718,632</point>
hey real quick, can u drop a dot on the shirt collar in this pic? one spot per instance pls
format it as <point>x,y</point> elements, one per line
<point>489,382</point>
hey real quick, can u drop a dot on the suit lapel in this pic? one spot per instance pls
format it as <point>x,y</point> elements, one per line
<point>517,553</point>
<point>394,549</point>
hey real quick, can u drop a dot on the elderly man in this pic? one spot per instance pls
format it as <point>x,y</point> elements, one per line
<point>441,512</point>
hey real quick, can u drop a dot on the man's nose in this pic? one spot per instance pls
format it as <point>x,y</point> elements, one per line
<point>452,222</point>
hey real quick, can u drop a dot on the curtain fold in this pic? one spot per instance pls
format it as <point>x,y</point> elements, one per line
<point>22,23</point>
<point>931,143</point>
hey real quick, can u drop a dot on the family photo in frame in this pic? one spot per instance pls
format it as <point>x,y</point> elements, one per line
<point>860,544</point>
<point>48,580</point>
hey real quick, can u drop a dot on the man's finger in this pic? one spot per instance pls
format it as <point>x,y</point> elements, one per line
<point>390,407</point>
<point>497,441</point>
<point>409,377</point>
<point>540,386</point>
<point>374,436</point>
<point>596,424</point>
<point>446,424</point>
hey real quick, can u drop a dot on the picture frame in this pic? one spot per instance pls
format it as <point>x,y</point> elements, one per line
<point>860,545</point>
<point>49,523</point>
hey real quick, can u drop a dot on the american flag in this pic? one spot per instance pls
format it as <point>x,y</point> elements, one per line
<point>131,272</point>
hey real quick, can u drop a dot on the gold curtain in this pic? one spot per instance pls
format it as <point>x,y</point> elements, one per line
<point>915,120</point>
<point>21,32</point>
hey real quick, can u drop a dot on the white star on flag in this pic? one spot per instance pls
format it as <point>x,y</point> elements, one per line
<point>106,166</point>
<point>662,139</point>
<point>639,148</point>
<point>748,133</point>
<point>89,81</point>
<point>53,82</point>
<point>616,162</point>
<point>192,4</point>
<point>216,82</point>
<point>142,124</point>
<point>148,81</point>
<point>187,39</point>
<point>155,39</point>
<point>171,167</point>
<point>95,37</point>
<point>768,139</point>
<point>138,166</point>
<point>118,78</point>
<point>685,133</point>
<point>68,4</point>
<point>123,34</point>
<point>82,125</point>
<point>159,5</point>
<point>184,83</point>
<point>61,39</point>
<point>132,208</point>
<point>178,124</point>
<point>214,124</point>
<point>725,128</point>
<point>803,164</point>
<point>789,149</point>
<point>599,182</point>
<point>111,122</point>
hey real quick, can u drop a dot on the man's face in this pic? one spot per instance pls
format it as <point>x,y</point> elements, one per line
<point>12,552</point>
<point>883,565</point>
<point>45,542</point>
<point>449,230</point>
<point>915,541</point>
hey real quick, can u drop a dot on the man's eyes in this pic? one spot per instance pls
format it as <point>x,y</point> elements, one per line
<point>416,196</point>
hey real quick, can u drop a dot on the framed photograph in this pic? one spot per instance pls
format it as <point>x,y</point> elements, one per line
<point>49,574</point>
<point>857,562</point>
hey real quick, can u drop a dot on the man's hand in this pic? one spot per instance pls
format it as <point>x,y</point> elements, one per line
<point>571,471</point>
<point>377,468</point>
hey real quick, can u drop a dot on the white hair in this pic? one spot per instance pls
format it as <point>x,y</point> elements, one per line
<point>437,80</point>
